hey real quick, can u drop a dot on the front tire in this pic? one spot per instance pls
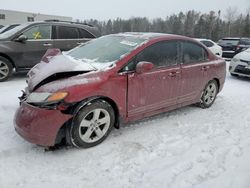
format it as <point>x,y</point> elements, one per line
<point>6,69</point>
<point>209,94</point>
<point>93,124</point>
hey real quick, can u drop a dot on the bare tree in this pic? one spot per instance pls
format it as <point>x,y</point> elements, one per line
<point>230,16</point>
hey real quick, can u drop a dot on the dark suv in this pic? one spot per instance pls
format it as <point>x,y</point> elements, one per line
<point>232,46</point>
<point>23,46</point>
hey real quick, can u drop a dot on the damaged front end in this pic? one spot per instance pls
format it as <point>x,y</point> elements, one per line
<point>43,114</point>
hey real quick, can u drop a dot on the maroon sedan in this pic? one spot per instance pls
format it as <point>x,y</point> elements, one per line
<point>80,95</point>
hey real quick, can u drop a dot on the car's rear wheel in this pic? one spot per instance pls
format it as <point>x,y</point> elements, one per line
<point>209,94</point>
<point>93,124</point>
<point>5,69</point>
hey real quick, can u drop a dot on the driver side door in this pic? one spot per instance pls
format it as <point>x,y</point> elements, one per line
<point>158,88</point>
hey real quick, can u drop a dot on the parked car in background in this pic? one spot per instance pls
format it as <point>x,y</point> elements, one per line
<point>23,46</point>
<point>215,48</point>
<point>232,46</point>
<point>240,64</point>
<point>80,95</point>
<point>8,27</point>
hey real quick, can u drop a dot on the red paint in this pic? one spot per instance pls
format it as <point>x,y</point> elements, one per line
<point>39,126</point>
<point>140,94</point>
<point>50,53</point>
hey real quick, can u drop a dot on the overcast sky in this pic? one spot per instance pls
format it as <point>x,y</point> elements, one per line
<point>105,9</point>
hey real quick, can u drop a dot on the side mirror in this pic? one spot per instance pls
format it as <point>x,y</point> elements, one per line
<point>21,38</point>
<point>144,66</point>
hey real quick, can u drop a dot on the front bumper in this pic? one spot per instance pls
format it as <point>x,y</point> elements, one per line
<point>37,125</point>
<point>240,68</point>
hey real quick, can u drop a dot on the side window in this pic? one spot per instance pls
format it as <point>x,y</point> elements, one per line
<point>193,53</point>
<point>244,42</point>
<point>38,32</point>
<point>64,32</point>
<point>85,34</point>
<point>160,54</point>
<point>207,43</point>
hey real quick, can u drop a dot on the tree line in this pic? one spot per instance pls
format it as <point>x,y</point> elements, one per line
<point>212,25</point>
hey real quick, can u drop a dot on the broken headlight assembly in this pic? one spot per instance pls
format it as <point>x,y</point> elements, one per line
<point>46,100</point>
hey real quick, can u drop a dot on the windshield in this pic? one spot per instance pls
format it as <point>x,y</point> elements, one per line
<point>3,28</point>
<point>106,49</point>
<point>13,30</point>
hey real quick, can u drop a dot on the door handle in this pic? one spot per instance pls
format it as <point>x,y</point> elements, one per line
<point>204,68</point>
<point>47,44</point>
<point>173,74</point>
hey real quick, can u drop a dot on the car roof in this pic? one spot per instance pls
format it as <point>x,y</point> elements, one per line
<point>90,28</point>
<point>199,39</point>
<point>150,35</point>
<point>231,38</point>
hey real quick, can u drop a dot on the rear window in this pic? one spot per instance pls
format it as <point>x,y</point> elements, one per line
<point>85,34</point>
<point>245,41</point>
<point>229,41</point>
<point>207,43</point>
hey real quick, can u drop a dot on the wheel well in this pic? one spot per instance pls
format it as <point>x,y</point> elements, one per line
<point>64,131</point>
<point>218,82</point>
<point>7,57</point>
<point>114,106</point>
<point>77,106</point>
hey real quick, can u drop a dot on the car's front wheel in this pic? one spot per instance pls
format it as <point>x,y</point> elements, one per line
<point>5,69</point>
<point>209,94</point>
<point>92,124</point>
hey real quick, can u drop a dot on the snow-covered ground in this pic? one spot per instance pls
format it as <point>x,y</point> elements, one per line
<point>188,147</point>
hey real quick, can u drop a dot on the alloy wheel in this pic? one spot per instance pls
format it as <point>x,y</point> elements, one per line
<point>94,125</point>
<point>4,70</point>
<point>210,93</point>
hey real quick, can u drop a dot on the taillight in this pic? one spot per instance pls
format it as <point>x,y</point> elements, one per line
<point>238,47</point>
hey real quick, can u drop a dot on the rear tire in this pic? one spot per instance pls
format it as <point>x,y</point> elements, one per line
<point>209,94</point>
<point>6,69</point>
<point>93,124</point>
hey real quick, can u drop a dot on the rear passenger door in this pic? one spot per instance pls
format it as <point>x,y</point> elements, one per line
<point>194,68</point>
<point>68,37</point>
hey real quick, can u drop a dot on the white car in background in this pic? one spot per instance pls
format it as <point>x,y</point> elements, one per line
<point>240,64</point>
<point>215,48</point>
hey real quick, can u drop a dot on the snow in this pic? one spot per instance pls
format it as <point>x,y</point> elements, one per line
<point>57,64</point>
<point>184,148</point>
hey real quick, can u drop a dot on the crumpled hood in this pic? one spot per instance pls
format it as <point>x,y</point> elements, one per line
<point>56,64</point>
